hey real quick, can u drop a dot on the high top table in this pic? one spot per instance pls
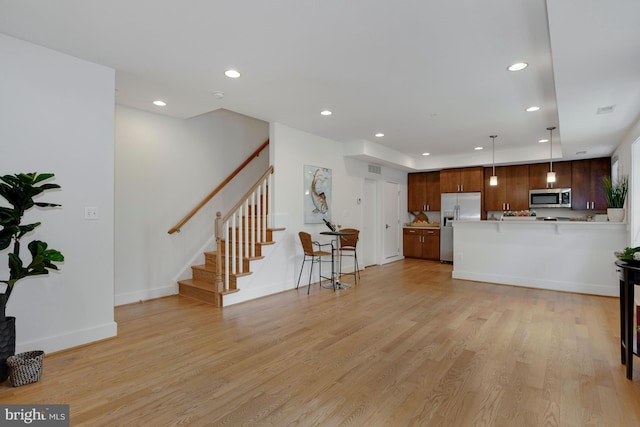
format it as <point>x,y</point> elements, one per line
<point>335,279</point>
<point>629,278</point>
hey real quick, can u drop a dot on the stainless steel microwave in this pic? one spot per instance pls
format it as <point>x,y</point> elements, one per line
<point>550,198</point>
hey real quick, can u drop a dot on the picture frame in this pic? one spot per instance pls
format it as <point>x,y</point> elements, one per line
<point>317,194</point>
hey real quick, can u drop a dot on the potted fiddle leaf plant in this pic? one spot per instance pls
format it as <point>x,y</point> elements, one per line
<point>19,190</point>
<point>616,194</point>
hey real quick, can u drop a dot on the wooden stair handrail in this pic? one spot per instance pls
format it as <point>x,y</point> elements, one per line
<point>204,201</point>
<point>241,242</point>
<point>246,195</point>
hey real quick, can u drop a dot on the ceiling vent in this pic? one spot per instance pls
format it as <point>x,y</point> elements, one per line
<point>606,110</point>
<point>375,169</point>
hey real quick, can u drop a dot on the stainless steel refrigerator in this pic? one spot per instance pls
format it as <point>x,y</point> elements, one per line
<point>455,207</point>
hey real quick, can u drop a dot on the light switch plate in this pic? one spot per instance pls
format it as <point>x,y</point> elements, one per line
<point>90,212</point>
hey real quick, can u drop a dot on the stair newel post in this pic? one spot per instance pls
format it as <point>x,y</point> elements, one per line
<point>252,197</point>
<point>259,213</point>
<point>265,211</point>
<point>256,214</point>
<point>219,282</point>
<point>227,254</point>
<point>245,226</point>
<point>231,228</point>
<point>269,210</point>
<point>241,214</point>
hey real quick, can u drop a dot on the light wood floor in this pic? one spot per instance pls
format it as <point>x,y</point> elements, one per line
<point>408,346</point>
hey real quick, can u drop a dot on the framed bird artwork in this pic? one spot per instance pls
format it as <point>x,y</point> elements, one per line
<point>317,194</point>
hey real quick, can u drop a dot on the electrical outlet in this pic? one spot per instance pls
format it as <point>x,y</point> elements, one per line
<point>90,212</point>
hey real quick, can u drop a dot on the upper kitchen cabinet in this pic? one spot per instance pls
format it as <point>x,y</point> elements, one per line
<point>424,191</point>
<point>587,192</point>
<point>512,191</point>
<point>462,180</point>
<point>538,175</point>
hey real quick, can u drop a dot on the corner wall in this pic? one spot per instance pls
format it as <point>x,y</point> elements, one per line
<point>629,164</point>
<point>56,115</point>
<point>291,150</point>
<point>164,168</point>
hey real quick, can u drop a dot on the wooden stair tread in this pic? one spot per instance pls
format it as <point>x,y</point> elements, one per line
<point>201,284</point>
<point>206,290</point>
<point>246,273</point>
<point>206,267</point>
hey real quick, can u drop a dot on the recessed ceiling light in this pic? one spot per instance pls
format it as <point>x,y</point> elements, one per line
<point>543,140</point>
<point>326,112</point>
<point>517,66</point>
<point>159,103</point>
<point>533,108</point>
<point>479,148</point>
<point>232,74</point>
<point>379,135</point>
<point>581,153</point>
<point>426,154</point>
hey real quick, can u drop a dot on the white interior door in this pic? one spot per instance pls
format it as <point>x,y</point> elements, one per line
<point>368,246</point>
<point>391,220</point>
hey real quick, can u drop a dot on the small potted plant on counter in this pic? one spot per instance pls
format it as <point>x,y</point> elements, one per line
<point>616,193</point>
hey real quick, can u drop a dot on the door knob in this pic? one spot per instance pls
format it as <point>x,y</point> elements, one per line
<point>387,226</point>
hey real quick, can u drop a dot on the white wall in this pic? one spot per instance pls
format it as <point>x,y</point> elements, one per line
<point>56,115</point>
<point>290,151</point>
<point>565,256</point>
<point>629,164</point>
<point>164,168</point>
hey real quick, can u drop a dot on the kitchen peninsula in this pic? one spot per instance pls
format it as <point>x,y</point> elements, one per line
<point>558,255</point>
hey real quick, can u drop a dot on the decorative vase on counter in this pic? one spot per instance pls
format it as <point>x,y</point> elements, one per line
<point>615,214</point>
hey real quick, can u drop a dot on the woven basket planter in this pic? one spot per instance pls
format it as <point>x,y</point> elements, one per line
<point>25,368</point>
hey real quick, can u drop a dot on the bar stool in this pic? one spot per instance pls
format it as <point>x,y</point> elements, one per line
<point>315,256</point>
<point>348,248</point>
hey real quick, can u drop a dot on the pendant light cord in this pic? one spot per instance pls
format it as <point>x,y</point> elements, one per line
<point>493,140</point>
<point>550,129</point>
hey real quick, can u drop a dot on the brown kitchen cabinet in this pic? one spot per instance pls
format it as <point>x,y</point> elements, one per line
<point>538,175</point>
<point>512,191</point>
<point>423,192</point>
<point>421,243</point>
<point>461,180</point>
<point>587,192</point>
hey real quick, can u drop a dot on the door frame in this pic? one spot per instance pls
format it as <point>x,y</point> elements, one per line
<point>370,221</point>
<point>394,222</point>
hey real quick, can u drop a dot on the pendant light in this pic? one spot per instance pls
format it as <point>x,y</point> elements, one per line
<point>493,181</point>
<point>551,175</point>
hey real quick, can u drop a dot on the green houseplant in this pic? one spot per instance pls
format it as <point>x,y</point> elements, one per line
<point>19,190</point>
<point>616,194</point>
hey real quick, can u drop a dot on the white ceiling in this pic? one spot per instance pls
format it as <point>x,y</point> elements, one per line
<point>429,74</point>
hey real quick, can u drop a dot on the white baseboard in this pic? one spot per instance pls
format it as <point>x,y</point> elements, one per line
<point>146,294</point>
<point>612,290</point>
<point>71,339</point>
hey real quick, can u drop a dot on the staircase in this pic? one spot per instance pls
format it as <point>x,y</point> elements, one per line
<point>241,236</point>
<point>203,284</point>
